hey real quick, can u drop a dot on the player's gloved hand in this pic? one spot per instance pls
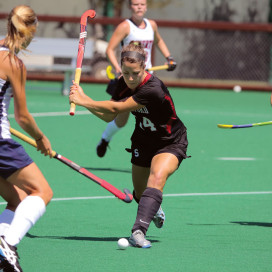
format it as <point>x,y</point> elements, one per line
<point>171,63</point>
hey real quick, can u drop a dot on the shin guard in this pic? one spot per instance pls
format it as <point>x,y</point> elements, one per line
<point>148,206</point>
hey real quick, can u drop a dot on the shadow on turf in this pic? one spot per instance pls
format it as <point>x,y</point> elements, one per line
<point>259,224</point>
<point>108,169</point>
<point>77,238</point>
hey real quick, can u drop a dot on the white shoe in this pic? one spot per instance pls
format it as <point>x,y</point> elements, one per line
<point>137,239</point>
<point>159,218</point>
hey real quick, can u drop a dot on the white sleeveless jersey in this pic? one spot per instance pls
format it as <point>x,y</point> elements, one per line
<point>5,96</point>
<point>145,36</point>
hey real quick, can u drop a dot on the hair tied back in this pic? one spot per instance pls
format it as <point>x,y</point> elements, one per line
<point>20,26</point>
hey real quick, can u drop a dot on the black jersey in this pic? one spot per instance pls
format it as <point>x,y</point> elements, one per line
<point>157,121</point>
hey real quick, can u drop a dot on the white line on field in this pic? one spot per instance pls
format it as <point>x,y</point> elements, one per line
<point>165,195</point>
<point>236,159</point>
<point>219,194</point>
<point>53,114</point>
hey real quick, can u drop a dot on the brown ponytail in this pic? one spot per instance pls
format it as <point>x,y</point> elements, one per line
<point>133,53</point>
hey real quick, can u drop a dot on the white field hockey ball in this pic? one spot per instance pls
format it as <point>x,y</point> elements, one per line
<point>123,243</point>
<point>237,89</point>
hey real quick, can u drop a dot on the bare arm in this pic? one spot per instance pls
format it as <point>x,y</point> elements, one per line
<point>118,35</point>
<point>16,74</point>
<point>163,47</point>
<point>158,40</point>
<point>105,110</point>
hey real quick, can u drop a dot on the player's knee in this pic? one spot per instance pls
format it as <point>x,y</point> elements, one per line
<point>48,195</point>
<point>156,180</point>
<point>121,124</point>
<point>45,193</point>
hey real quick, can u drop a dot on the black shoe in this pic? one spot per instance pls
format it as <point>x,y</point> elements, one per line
<point>8,257</point>
<point>102,148</point>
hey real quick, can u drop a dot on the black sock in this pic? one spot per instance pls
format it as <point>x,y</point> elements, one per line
<point>148,206</point>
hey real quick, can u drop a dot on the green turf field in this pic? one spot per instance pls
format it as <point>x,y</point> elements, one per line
<point>217,205</point>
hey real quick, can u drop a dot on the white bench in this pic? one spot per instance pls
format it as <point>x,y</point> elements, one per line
<point>43,52</point>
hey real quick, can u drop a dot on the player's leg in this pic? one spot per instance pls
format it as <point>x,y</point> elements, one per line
<point>139,185</point>
<point>13,196</point>
<point>32,182</point>
<point>159,217</point>
<point>139,178</point>
<point>112,128</point>
<point>162,166</point>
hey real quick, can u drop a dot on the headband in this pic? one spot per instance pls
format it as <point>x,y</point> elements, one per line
<point>133,54</point>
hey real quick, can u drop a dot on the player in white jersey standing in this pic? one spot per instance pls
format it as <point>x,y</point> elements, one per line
<point>22,184</point>
<point>138,29</point>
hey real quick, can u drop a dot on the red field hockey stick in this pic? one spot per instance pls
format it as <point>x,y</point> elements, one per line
<point>81,47</point>
<point>126,196</point>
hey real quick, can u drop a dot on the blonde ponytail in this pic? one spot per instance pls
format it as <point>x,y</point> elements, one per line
<point>22,23</point>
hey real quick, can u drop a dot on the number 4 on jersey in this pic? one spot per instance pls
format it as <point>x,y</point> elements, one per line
<point>146,123</point>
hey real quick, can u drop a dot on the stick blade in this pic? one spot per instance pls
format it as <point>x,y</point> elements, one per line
<point>224,126</point>
<point>236,126</point>
<point>88,13</point>
<point>129,196</point>
<point>109,72</point>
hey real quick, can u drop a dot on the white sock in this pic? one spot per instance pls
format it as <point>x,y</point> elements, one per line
<point>110,130</point>
<point>5,219</point>
<point>26,215</point>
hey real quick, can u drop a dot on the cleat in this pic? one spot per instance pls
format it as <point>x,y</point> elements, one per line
<point>8,257</point>
<point>159,218</point>
<point>137,239</point>
<point>102,148</point>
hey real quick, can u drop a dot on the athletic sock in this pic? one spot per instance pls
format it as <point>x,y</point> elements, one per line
<point>149,204</point>
<point>26,215</point>
<point>5,219</point>
<point>110,130</point>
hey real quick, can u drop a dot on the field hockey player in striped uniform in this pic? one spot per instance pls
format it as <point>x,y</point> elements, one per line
<point>22,184</point>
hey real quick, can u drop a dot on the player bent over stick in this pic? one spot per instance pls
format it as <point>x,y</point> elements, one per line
<point>22,184</point>
<point>159,140</point>
<point>137,29</point>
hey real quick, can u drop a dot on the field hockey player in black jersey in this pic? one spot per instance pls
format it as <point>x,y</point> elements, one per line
<point>158,143</point>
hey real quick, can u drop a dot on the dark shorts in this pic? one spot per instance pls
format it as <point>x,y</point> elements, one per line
<point>143,153</point>
<point>12,157</point>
